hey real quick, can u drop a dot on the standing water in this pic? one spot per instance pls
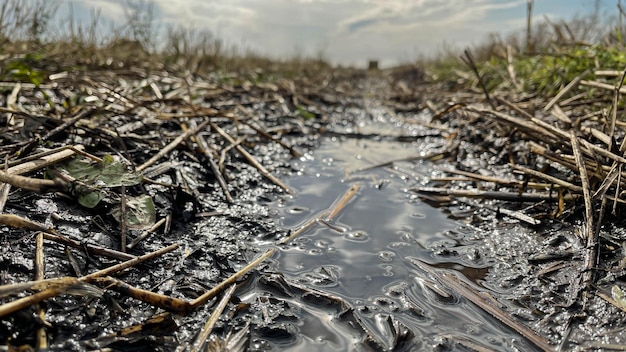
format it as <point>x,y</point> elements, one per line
<point>365,258</point>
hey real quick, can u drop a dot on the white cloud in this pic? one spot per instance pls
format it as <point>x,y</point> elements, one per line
<point>403,29</point>
<point>109,9</point>
<point>349,30</point>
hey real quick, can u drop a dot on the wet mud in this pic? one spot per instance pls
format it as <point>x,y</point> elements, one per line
<point>370,278</point>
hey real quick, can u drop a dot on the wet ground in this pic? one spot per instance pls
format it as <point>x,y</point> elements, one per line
<point>366,256</point>
<point>367,279</point>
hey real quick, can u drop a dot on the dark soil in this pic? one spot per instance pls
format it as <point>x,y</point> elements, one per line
<point>534,272</point>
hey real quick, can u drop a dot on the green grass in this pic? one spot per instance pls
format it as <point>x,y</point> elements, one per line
<point>559,53</point>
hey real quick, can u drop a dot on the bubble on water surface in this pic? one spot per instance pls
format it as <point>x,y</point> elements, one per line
<point>297,210</point>
<point>357,236</point>
<point>386,256</point>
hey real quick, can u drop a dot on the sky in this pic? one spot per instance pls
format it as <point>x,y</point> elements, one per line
<point>348,32</point>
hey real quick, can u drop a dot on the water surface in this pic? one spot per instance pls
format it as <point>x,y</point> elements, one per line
<point>364,256</point>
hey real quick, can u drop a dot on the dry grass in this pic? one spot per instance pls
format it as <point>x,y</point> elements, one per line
<point>28,35</point>
<point>555,53</point>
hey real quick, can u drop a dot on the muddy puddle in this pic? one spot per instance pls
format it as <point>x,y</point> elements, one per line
<point>366,257</point>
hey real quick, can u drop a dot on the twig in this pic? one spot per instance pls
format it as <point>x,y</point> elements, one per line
<point>129,263</point>
<point>529,16</point>
<point>30,184</point>
<point>22,223</point>
<point>589,228</point>
<point>173,304</point>
<point>123,219</point>
<point>601,85</point>
<point>78,271</point>
<point>146,233</point>
<point>519,215</point>
<point>218,175</point>
<point>262,170</point>
<point>614,108</point>
<point>5,189</point>
<point>334,209</point>
<point>217,289</point>
<point>524,124</point>
<point>444,112</point>
<point>612,301</point>
<point>584,179</point>
<point>552,132</point>
<point>515,107</point>
<point>59,283</point>
<point>300,230</point>
<point>12,103</point>
<point>622,147</point>
<point>206,150</point>
<point>62,127</point>
<point>24,302</point>
<point>468,59</point>
<point>549,178</point>
<point>338,206</point>
<point>208,326</point>
<point>608,180</point>
<point>168,303</point>
<point>486,302</point>
<point>265,134</point>
<point>42,339</point>
<point>607,73</point>
<point>510,68</point>
<point>571,85</point>
<point>491,306</point>
<point>571,100</point>
<point>225,150</point>
<point>558,113</point>
<point>93,249</point>
<point>476,176</point>
<point>506,196</point>
<point>40,160</point>
<point>172,145</point>
<point>129,102</point>
<point>601,136</point>
<point>50,234</point>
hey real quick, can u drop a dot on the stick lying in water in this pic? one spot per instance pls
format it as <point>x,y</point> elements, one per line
<point>485,302</point>
<point>506,196</point>
<point>327,214</point>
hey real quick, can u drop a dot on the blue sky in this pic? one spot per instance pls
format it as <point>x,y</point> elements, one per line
<point>347,31</point>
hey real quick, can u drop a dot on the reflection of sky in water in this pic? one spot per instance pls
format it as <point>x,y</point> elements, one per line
<point>364,255</point>
<point>362,250</point>
<point>346,31</point>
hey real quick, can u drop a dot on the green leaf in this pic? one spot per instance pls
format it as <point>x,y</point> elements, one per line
<point>108,173</point>
<point>88,180</point>
<point>304,113</point>
<point>89,198</point>
<point>140,212</point>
